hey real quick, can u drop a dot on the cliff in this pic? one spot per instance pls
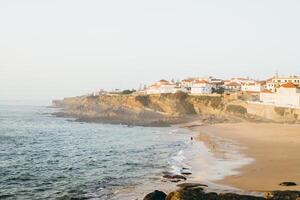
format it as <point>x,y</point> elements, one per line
<point>146,110</point>
<point>166,109</point>
<point>277,114</point>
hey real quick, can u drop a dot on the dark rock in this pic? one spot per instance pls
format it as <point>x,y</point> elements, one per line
<point>175,180</point>
<point>197,193</point>
<point>282,195</point>
<point>288,184</point>
<point>191,194</point>
<point>179,177</point>
<point>186,185</point>
<point>156,195</point>
<point>231,196</point>
<point>191,191</point>
<point>174,176</point>
<point>185,171</point>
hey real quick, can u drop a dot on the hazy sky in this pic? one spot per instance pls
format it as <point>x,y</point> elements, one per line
<point>56,48</point>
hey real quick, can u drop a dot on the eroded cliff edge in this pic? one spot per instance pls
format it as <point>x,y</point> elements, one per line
<point>165,109</point>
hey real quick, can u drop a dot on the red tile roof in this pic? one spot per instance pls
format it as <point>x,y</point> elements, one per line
<point>266,91</point>
<point>188,80</point>
<point>201,82</point>
<point>233,84</point>
<point>289,85</point>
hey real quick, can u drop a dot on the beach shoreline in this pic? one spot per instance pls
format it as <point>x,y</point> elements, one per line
<point>273,148</point>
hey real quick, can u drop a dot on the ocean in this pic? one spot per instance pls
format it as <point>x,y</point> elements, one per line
<point>45,157</point>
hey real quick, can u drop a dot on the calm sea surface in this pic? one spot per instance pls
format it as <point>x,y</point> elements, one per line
<point>44,157</point>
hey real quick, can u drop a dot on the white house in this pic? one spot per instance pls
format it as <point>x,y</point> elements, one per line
<point>242,81</point>
<point>161,87</point>
<point>201,87</point>
<point>232,87</point>
<point>288,95</point>
<point>252,87</point>
<point>275,82</point>
<point>188,83</point>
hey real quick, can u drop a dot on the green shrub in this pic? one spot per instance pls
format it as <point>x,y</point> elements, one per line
<point>128,91</point>
<point>236,109</point>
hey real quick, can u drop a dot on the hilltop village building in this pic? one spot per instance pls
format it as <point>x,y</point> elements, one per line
<point>201,87</point>
<point>253,87</point>
<point>287,95</point>
<point>276,82</point>
<point>277,90</point>
<point>232,87</point>
<point>160,87</point>
<point>188,83</point>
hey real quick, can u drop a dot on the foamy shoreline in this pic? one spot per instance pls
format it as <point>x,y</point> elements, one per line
<point>273,148</point>
<point>215,159</point>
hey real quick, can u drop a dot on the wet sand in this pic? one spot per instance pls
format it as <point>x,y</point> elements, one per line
<point>274,147</point>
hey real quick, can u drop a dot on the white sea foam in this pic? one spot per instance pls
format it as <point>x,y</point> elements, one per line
<point>211,167</point>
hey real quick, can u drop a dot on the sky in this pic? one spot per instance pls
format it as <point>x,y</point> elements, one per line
<point>59,48</point>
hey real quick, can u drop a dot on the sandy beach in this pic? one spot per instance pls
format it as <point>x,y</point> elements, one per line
<point>275,149</point>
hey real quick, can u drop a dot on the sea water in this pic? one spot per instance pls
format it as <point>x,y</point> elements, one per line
<point>45,157</point>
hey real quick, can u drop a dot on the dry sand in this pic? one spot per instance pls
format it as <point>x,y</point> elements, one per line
<point>275,148</point>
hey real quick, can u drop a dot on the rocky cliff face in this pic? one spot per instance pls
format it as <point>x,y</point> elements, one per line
<point>165,109</point>
<point>141,109</point>
<point>168,104</point>
<point>278,114</point>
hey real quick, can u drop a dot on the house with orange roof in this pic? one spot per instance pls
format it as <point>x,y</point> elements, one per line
<point>188,82</point>
<point>201,87</point>
<point>232,87</point>
<point>287,95</point>
<point>276,82</point>
<point>164,86</point>
<point>241,80</point>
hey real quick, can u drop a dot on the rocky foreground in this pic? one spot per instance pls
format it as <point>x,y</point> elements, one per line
<point>190,191</point>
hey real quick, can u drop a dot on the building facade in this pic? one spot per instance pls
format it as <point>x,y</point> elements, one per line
<point>287,95</point>
<point>276,82</point>
<point>232,87</point>
<point>252,87</point>
<point>201,87</point>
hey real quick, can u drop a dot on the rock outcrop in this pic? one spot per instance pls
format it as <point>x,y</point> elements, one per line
<point>163,109</point>
<point>288,184</point>
<point>197,192</point>
<point>156,195</point>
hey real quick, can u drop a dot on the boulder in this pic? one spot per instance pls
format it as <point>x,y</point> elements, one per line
<point>282,195</point>
<point>287,184</point>
<point>185,171</point>
<point>195,192</point>
<point>173,196</point>
<point>187,185</point>
<point>192,191</point>
<point>156,195</point>
<point>174,176</point>
<point>231,196</point>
